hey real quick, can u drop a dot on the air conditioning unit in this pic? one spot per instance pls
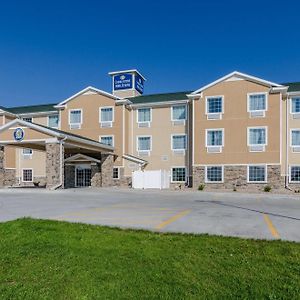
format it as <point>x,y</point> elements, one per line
<point>143,124</point>
<point>179,122</point>
<point>144,153</point>
<point>214,116</point>
<point>257,148</point>
<point>257,114</point>
<point>296,149</point>
<point>296,116</point>
<point>27,156</point>
<point>214,149</point>
<point>179,152</point>
<point>107,124</point>
<point>75,126</point>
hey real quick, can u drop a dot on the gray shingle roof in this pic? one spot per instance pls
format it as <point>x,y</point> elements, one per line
<point>31,109</point>
<point>293,86</point>
<point>154,98</point>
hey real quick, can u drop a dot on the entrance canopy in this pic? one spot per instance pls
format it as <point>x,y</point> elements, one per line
<point>20,133</point>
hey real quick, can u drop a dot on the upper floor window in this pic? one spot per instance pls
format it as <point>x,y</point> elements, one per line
<point>26,152</point>
<point>144,115</point>
<point>27,119</point>
<point>106,116</point>
<point>214,140</point>
<point>214,105</point>
<point>257,104</point>
<point>53,121</point>
<point>178,112</point>
<point>257,138</point>
<point>144,143</point>
<point>75,118</point>
<point>295,107</point>
<point>295,140</point>
<point>107,140</point>
<point>179,142</point>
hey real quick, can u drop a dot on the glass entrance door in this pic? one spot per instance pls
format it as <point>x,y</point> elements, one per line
<point>83,175</point>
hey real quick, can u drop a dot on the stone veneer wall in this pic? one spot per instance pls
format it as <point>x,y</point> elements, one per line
<point>69,176</point>
<point>107,164</point>
<point>96,180</point>
<point>236,176</point>
<point>123,181</point>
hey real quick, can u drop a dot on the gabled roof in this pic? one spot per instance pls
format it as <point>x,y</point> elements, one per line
<point>239,75</point>
<point>293,86</point>
<point>81,157</point>
<point>87,89</point>
<point>154,98</point>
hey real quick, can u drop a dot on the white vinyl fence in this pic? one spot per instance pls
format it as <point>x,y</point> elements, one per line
<point>158,179</point>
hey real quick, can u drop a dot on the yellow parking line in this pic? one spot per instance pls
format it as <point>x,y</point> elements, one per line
<point>272,228</point>
<point>172,219</point>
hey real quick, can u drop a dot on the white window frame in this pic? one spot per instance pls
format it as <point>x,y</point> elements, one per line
<point>291,105</point>
<point>214,113</point>
<point>108,135</point>
<point>23,169</point>
<point>137,115</point>
<point>216,182</point>
<point>176,167</point>
<point>137,143</point>
<point>255,94</point>
<point>118,173</point>
<point>257,165</point>
<point>220,147</point>
<point>58,125</point>
<point>105,107</point>
<point>290,173</point>
<point>178,134</point>
<point>257,127</point>
<point>29,155</point>
<point>178,120</point>
<point>81,118</point>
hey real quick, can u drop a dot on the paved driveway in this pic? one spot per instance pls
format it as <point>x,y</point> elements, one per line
<point>263,216</point>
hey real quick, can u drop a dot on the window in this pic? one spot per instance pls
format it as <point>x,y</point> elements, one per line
<point>115,173</point>
<point>214,174</point>
<point>27,175</point>
<point>178,174</point>
<point>295,107</point>
<point>257,173</point>
<point>29,119</point>
<point>178,113</point>
<point>257,136</point>
<point>144,115</point>
<point>257,102</point>
<point>179,142</point>
<point>75,116</point>
<point>144,143</point>
<point>53,121</point>
<point>107,140</point>
<point>26,151</point>
<point>295,137</point>
<point>106,114</point>
<point>214,137</point>
<point>214,105</point>
<point>295,174</point>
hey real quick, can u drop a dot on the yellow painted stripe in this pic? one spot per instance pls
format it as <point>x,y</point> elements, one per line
<point>272,228</point>
<point>172,219</point>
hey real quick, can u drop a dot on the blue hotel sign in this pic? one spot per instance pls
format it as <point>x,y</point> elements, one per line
<point>123,81</point>
<point>139,83</point>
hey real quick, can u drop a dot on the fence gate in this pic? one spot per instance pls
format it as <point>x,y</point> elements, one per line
<point>158,179</point>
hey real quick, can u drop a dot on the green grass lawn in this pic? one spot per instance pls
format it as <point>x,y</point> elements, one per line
<point>57,260</point>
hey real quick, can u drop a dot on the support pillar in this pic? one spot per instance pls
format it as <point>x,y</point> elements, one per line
<point>2,170</point>
<point>107,164</point>
<point>54,164</point>
<point>96,175</point>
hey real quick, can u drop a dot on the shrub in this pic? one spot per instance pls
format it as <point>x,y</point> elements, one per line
<point>267,188</point>
<point>201,187</point>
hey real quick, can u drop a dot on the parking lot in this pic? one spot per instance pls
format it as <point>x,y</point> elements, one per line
<point>262,216</point>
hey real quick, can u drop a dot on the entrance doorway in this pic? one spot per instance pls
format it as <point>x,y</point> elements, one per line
<point>83,175</point>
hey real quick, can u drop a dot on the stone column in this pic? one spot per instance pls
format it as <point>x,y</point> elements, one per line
<point>2,170</point>
<point>69,176</point>
<point>54,164</point>
<point>107,164</point>
<point>96,175</point>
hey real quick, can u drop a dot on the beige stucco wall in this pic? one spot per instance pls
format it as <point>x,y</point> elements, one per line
<point>235,121</point>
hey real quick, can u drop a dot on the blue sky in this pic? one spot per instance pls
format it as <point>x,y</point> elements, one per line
<point>50,50</point>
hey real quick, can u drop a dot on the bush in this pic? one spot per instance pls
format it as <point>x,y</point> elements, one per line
<point>201,187</point>
<point>267,189</point>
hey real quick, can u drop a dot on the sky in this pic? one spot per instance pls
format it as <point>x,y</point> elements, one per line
<point>50,50</point>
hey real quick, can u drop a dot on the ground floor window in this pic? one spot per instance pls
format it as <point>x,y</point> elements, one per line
<point>116,173</point>
<point>295,174</point>
<point>214,174</point>
<point>257,173</point>
<point>178,174</point>
<point>27,175</point>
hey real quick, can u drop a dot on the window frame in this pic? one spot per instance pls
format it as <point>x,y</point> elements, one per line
<point>291,137</point>
<point>27,154</point>
<point>255,94</point>
<point>137,143</point>
<point>210,166</point>
<point>179,134</point>
<point>58,124</point>
<point>29,169</point>
<point>291,105</point>
<point>215,129</point>
<point>23,118</point>
<point>81,116</point>
<point>257,165</point>
<point>137,115</point>
<point>185,117</point>
<point>257,127</point>
<point>290,173</point>
<point>178,167</point>
<point>108,135</point>
<point>206,104</point>
<point>113,113</point>
<point>118,168</point>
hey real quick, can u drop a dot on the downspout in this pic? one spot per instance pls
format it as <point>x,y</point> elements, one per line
<point>287,145</point>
